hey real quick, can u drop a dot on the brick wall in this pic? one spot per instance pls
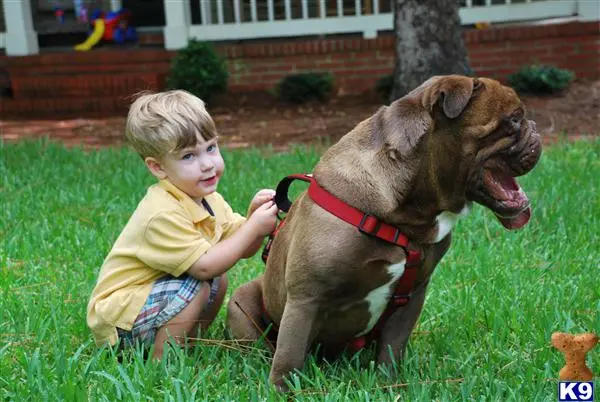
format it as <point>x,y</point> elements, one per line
<point>100,81</point>
<point>357,63</point>
<point>499,52</point>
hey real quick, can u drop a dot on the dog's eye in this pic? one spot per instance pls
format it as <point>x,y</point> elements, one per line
<point>514,121</point>
<point>519,113</point>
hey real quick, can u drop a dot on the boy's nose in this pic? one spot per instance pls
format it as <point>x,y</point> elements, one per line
<point>206,165</point>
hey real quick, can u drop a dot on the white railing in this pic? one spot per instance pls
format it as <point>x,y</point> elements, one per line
<point>248,19</point>
<point>251,19</point>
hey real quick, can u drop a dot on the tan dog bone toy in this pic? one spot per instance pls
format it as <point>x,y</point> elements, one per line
<point>574,347</point>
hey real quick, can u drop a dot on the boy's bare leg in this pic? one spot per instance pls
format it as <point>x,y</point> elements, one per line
<point>209,314</point>
<point>193,316</point>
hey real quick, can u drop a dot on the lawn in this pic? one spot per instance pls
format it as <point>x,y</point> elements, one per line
<point>494,301</point>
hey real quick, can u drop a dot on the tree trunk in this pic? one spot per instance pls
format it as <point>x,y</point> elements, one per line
<point>428,42</point>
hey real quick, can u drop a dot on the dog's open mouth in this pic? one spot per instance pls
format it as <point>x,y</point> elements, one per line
<point>512,205</point>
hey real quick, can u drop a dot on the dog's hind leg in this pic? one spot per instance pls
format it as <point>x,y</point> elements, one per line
<point>243,312</point>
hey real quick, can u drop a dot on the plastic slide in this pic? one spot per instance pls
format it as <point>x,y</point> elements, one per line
<point>94,38</point>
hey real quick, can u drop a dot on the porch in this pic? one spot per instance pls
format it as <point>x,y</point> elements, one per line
<point>233,20</point>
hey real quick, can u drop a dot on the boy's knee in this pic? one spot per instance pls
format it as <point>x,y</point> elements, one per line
<point>223,283</point>
<point>214,292</point>
<point>220,291</point>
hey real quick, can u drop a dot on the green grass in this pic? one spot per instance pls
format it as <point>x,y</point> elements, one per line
<point>493,303</point>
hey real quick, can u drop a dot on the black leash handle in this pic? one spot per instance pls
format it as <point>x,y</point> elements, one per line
<point>281,192</point>
<point>284,204</point>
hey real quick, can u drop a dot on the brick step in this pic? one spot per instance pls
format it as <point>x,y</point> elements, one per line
<point>67,61</point>
<point>105,72</point>
<point>63,108</point>
<point>85,85</point>
<point>66,69</point>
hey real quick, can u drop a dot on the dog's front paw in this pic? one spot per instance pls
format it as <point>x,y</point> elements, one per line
<point>282,388</point>
<point>278,382</point>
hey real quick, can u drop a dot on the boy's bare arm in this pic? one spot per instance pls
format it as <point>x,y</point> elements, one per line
<point>223,255</point>
<point>253,248</point>
<point>261,197</point>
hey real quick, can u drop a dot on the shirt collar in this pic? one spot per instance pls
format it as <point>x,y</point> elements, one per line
<point>198,212</point>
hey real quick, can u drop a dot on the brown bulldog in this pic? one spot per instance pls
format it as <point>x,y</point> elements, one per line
<point>418,165</point>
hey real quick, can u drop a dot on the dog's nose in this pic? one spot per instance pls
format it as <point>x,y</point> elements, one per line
<point>531,157</point>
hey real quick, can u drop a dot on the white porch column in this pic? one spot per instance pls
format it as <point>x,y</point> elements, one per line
<point>587,10</point>
<point>116,5</point>
<point>178,18</point>
<point>21,39</point>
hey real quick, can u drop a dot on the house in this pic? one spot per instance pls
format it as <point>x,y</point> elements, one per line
<point>265,40</point>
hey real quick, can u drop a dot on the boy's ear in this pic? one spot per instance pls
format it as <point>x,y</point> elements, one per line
<point>155,168</point>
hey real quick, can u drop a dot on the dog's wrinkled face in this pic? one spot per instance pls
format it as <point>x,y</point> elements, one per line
<point>510,149</point>
<point>497,142</point>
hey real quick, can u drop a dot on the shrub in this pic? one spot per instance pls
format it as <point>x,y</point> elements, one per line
<point>300,88</point>
<point>384,86</point>
<point>198,69</point>
<point>540,79</point>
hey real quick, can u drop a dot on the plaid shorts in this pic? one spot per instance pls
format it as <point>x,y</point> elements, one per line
<point>169,295</point>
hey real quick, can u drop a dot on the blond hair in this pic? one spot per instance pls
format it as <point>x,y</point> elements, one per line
<point>159,123</point>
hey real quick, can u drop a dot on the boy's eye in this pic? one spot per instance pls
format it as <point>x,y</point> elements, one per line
<point>188,155</point>
<point>211,148</point>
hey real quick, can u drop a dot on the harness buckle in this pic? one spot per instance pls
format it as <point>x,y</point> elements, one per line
<point>369,225</point>
<point>401,299</point>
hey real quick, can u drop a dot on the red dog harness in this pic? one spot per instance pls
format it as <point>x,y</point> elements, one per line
<point>367,224</point>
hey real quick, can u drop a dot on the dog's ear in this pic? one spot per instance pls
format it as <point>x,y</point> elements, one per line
<point>400,127</point>
<point>452,93</point>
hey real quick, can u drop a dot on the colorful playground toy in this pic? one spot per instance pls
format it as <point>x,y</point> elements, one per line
<point>113,26</point>
<point>59,13</point>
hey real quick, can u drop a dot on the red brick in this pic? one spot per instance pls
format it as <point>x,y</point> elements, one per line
<point>81,86</point>
<point>590,48</point>
<point>282,68</point>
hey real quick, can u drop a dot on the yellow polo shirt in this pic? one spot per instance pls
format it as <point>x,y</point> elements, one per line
<point>166,234</point>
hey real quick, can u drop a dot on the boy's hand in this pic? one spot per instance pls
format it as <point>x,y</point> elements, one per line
<point>264,218</point>
<point>259,199</point>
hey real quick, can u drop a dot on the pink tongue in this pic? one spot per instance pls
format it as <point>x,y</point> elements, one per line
<point>516,222</point>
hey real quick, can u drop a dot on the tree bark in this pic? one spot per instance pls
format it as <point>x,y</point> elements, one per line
<point>428,42</point>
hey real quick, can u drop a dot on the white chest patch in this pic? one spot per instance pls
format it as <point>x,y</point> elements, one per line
<point>446,221</point>
<point>378,298</point>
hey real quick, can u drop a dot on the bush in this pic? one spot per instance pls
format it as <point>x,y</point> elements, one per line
<point>540,79</point>
<point>300,88</point>
<point>384,86</point>
<point>198,69</point>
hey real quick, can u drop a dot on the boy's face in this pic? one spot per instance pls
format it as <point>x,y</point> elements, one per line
<point>194,170</point>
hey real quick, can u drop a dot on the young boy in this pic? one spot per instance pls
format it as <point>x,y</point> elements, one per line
<point>165,275</point>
